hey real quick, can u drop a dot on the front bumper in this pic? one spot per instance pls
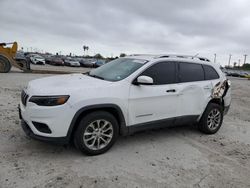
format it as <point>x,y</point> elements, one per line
<point>57,119</point>
<point>55,140</point>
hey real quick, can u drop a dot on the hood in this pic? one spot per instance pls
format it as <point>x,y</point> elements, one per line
<point>64,84</point>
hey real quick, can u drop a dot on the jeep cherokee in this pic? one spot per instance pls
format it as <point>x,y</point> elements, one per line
<point>124,96</point>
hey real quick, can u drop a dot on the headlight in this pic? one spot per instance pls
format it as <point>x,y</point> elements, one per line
<point>49,100</point>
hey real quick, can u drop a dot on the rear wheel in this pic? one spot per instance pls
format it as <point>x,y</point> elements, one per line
<point>96,133</point>
<point>211,119</point>
<point>5,65</point>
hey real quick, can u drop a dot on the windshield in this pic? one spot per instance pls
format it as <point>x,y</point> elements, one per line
<point>118,69</point>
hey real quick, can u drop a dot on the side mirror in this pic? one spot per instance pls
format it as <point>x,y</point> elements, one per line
<point>144,80</point>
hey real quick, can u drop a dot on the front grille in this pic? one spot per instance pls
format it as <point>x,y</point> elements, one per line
<point>24,97</point>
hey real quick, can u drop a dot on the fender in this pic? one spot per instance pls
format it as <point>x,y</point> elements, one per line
<point>123,130</point>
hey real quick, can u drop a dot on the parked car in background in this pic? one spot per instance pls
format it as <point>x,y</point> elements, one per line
<point>243,74</point>
<point>48,59</point>
<point>82,62</point>
<point>20,55</point>
<point>37,59</point>
<point>235,73</point>
<point>71,62</point>
<point>54,60</point>
<point>99,63</point>
<point>28,57</point>
<point>21,59</point>
<point>87,63</point>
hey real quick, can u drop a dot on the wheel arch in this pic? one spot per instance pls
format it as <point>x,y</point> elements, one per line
<point>219,101</point>
<point>5,56</point>
<point>114,109</point>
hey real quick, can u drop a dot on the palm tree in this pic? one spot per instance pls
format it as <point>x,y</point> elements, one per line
<point>85,48</point>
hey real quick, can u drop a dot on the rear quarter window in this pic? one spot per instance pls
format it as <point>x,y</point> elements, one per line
<point>210,73</point>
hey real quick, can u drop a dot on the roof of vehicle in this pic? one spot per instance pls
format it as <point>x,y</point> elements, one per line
<point>37,55</point>
<point>175,57</point>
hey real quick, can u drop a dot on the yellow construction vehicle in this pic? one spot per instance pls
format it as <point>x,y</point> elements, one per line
<point>7,60</point>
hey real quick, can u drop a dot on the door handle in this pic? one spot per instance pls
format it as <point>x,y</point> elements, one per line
<point>171,91</point>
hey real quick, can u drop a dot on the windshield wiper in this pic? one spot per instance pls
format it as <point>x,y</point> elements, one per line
<point>95,76</point>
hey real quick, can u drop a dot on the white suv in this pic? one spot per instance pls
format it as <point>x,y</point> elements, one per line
<point>124,96</point>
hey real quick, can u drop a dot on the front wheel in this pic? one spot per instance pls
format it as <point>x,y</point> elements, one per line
<point>96,133</point>
<point>211,119</point>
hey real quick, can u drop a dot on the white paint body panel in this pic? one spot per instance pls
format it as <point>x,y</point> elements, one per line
<point>139,104</point>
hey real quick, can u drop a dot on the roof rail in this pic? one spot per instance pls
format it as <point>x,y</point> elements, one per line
<point>141,55</point>
<point>174,56</point>
<point>183,56</point>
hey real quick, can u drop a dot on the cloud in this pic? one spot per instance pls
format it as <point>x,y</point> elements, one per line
<point>141,26</point>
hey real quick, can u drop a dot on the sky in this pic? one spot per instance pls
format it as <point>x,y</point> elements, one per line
<point>111,27</point>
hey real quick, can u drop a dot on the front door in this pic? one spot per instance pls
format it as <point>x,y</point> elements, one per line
<point>149,103</point>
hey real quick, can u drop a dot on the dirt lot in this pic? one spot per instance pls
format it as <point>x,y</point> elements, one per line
<point>174,157</point>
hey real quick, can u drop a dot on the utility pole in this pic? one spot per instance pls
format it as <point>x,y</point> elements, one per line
<point>239,63</point>
<point>214,58</point>
<point>245,58</point>
<point>229,60</point>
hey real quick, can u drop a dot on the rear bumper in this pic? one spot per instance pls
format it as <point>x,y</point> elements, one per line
<point>55,140</point>
<point>226,108</point>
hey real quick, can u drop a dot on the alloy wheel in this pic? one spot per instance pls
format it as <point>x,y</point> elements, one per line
<point>98,134</point>
<point>214,119</point>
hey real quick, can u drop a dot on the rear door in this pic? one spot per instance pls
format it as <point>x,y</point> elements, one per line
<point>194,89</point>
<point>149,103</point>
<point>211,74</point>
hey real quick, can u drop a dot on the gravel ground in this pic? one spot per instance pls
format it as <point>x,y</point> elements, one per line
<point>173,157</point>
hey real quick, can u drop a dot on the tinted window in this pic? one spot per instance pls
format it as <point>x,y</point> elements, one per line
<point>190,72</point>
<point>162,73</point>
<point>210,73</point>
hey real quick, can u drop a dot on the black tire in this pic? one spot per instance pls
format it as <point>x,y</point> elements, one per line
<point>84,126</point>
<point>5,65</point>
<point>204,121</point>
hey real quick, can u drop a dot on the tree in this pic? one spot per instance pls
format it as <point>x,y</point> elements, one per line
<point>98,56</point>
<point>122,55</point>
<point>246,66</point>
<point>85,48</point>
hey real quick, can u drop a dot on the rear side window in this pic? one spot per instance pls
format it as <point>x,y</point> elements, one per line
<point>162,73</point>
<point>190,72</point>
<point>210,73</point>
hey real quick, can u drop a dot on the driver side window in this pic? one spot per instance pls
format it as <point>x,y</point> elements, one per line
<point>162,73</point>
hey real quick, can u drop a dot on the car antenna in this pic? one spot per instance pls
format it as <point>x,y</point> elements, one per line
<point>195,55</point>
